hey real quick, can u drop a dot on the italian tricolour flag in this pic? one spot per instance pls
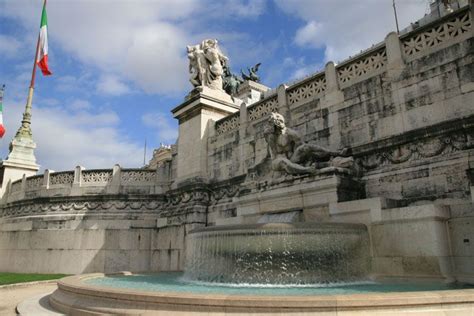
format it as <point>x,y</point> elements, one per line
<point>42,58</point>
<point>2,128</point>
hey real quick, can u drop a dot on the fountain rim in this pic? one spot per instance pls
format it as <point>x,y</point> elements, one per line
<point>72,287</point>
<point>322,226</point>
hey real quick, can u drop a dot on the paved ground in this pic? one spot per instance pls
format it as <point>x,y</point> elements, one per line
<point>11,296</point>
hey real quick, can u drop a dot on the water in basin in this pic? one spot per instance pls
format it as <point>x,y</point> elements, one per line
<point>174,282</point>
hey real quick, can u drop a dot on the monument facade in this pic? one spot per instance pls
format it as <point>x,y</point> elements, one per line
<point>384,139</point>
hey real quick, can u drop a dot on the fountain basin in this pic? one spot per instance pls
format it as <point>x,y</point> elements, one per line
<point>278,254</point>
<point>77,297</point>
<point>275,285</point>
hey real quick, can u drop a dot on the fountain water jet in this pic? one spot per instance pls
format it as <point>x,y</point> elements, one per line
<point>278,253</point>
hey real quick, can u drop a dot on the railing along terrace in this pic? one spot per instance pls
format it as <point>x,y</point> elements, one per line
<point>262,108</point>
<point>308,88</point>
<point>65,178</point>
<point>363,64</point>
<point>94,181</point>
<point>228,123</point>
<point>137,176</point>
<point>371,62</point>
<point>97,176</point>
<point>34,182</point>
<point>450,27</point>
<point>254,112</point>
<point>16,186</point>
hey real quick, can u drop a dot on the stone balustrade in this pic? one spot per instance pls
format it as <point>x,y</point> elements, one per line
<point>431,36</point>
<point>366,64</point>
<point>387,56</point>
<point>80,181</point>
<point>228,123</point>
<point>262,108</point>
<point>65,178</point>
<point>309,88</point>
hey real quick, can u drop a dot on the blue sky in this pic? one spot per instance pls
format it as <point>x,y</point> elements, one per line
<point>120,66</point>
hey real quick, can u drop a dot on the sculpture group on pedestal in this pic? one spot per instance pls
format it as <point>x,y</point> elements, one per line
<point>206,64</point>
<point>209,67</point>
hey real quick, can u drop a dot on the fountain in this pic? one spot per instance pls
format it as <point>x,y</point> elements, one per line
<point>278,254</point>
<point>253,215</point>
<point>282,268</point>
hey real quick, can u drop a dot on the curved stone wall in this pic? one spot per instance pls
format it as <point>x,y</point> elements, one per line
<point>81,182</point>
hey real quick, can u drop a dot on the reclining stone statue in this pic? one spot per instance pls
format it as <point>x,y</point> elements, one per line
<point>290,155</point>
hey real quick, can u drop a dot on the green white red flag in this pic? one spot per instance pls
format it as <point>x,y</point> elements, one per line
<point>42,58</point>
<point>2,128</point>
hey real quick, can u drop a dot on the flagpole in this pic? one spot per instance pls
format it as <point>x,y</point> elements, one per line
<point>25,128</point>
<point>2,94</point>
<point>144,154</point>
<point>396,17</point>
<point>33,73</point>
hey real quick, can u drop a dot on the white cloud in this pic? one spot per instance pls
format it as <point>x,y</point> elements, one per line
<point>79,104</point>
<point>346,27</point>
<point>250,8</point>
<point>305,70</point>
<point>155,58</point>
<point>49,102</point>
<point>120,44</point>
<point>297,67</point>
<point>85,119</point>
<point>143,41</point>
<point>306,35</point>
<point>64,140</point>
<point>66,83</point>
<point>91,144</point>
<point>114,41</point>
<point>112,85</point>
<point>166,132</point>
<point>9,46</point>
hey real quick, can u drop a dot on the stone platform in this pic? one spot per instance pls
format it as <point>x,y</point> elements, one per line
<point>75,297</point>
<point>310,194</point>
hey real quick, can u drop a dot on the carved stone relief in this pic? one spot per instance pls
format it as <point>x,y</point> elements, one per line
<point>421,149</point>
<point>72,207</point>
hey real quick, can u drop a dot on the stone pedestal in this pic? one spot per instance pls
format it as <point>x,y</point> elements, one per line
<point>186,209</point>
<point>412,241</point>
<point>21,161</point>
<point>251,92</point>
<point>310,194</point>
<point>201,106</point>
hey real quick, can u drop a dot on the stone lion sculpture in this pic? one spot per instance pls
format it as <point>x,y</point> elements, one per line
<point>290,155</point>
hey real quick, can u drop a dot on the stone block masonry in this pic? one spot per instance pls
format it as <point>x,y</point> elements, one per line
<point>401,104</point>
<point>404,108</point>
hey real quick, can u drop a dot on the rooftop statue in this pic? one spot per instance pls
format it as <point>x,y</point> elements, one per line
<point>291,155</point>
<point>231,81</point>
<point>253,76</point>
<point>206,64</point>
